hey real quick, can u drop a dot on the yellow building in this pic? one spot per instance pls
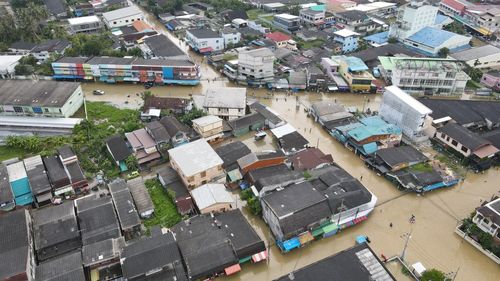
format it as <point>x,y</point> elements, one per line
<point>356,73</point>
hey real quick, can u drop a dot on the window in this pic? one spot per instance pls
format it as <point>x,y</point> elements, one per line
<point>203,174</point>
<point>454,142</point>
<point>126,20</point>
<point>464,149</point>
<point>447,138</point>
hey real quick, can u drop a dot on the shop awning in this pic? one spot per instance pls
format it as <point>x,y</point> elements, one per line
<point>305,238</point>
<point>291,244</point>
<point>206,50</point>
<point>232,269</point>
<point>317,232</point>
<point>330,228</point>
<point>260,256</point>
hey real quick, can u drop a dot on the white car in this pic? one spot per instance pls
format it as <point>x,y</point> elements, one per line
<point>98,92</point>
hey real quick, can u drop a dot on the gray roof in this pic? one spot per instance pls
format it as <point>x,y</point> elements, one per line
<point>54,45</point>
<point>356,263</point>
<point>36,93</point>
<point>326,107</point>
<point>293,142</point>
<point>127,61</point>
<point>140,194</point>
<point>158,131</point>
<point>56,172</point>
<point>395,156</point>
<point>264,111</point>
<point>231,152</point>
<point>120,13</point>
<point>54,225</point>
<point>211,194</point>
<point>278,175</point>
<point>14,243</point>
<point>75,172</point>
<point>124,204</point>
<point>72,60</point>
<point>464,112</point>
<point>352,15</point>
<point>476,53</point>
<point>118,147</point>
<point>97,219</point>
<point>102,251</point>
<point>195,157</point>
<point>5,191</point>
<point>203,33</point>
<point>226,98</point>
<point>163,47</point>
<point>110,60</point>
<point>55,7</point>
<point>65,151</point>
<point>62,268</point>
<point>22,45</point>
<point>465,137</point>
<point>259,52</point>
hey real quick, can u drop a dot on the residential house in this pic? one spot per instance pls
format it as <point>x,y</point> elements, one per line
<point>213,198</point>
<point>354,20</point>
<point>130,224</point>
<point>312,17</point>
<point>404,111</point>
<point>67,267</point>
<point>359,262</point>
<point>268,179</point>
<point>88,24</point>
<point>487,56</point>
<point>256,66</point>
<point>467,144</point>
<point>411,18</point>
<point>143,146</point>
<point>230,153</point>
<point>289,140</point>
<point>355,72</point>
<point>231,36</point>
<point>287,22</point>
<point>44,50</point>
<point>21,47</point>
<point>230,15</point>
<point>7,202</point>
<point>487,218</point>
<point>119,151</point>
<point>431,76</point>
<point>281,39</point>
<point>19,184</point>
<point>453,7</point>
<point>260,160</point>
<point>122,17</point>
<point>156,257</point>
<point>226,103</point>
<point>371,56</point>
<point>71,165</point>
<point>159,135</point>
<point>491,80</point>
<point>204,40</point>
<point>141,197</point>
<point>38,180</point>
<point>339,5</point>
<point>272,118</point>
<point>178,132</point>
<point>348,39</point>
<point>216,244</point>
<point>309,159</point>
<point>102,259</point>
<point>61,183</point>
<point>160,47</point>
<point>56,8</point>
<point>243,125</point>
<point>55,231</point>
<point>94,230</point>
<point>430,40</point>
<point>396,158</point>
<point>40,98</point>
<point>330,200</point>
<point>297,80</point>
<point>209,127</point>
<point>8,66</point>
<point>330,114</point>
<point>174,105</point>
<point>16,245</point>
<point>171,181</point>
<point>133,36</point>
<point>196,163</point>
<point>368,135</point>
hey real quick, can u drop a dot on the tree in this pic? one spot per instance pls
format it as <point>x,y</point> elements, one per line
<point>433,275</point>
<point>131,162</point>
<point>392,40</point>
<point>24,69</point>
<point>135,52</point>
<point>193,114</point>
<point>443,52</point>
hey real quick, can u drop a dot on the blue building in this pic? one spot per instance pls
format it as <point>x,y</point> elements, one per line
<point>429,40</point>
<point>378,39</point>
<point>348,39</point>
<point>19,183</point>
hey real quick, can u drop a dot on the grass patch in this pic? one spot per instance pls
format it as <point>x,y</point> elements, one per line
<point>7,152</point>
<point>165,214</point>
<point>253,14</point>
<point>422,167</point>
<point>310,44</point>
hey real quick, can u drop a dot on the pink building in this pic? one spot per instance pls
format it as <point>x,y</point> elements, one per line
<point>491,80</point>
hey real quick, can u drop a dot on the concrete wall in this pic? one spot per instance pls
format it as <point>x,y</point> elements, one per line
<point>200,178</point>
<point>448,141</point>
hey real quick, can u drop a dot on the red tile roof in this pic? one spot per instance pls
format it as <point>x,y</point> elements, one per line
<point>454,4</point>
<point>309,159</point>
<point>278,36</point>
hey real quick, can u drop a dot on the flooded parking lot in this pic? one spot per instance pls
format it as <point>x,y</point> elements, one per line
<point>437,213</point>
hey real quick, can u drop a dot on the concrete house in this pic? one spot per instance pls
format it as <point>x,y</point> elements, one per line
<point>94,230</point>
<point>39,182</point>
<point>209,127</point>
<point>226,103</point>
<point>231,36</point>
<point>348,39</point>
<point>178,132</point>
<point>122,17</point>
<point>196,163</point>
<point>119,151</point>
<point>256,65</point>
<point>286,22</point>
<point>204,40</point>
<point>143,146</point>
<point>491,80</point>
<point>44,50</point>
<point>161,47</point>
<point>312,17</point>
<point>213,198</point>
<point>487,56</point>
<point>88,24</point>
<point>411,18</point>
<point>487,218</point>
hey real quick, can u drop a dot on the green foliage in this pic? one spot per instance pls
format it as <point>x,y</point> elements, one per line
<point>310,44</point>
<point>131,163</point>
<point>422,167</point>
<point>246,194</point>
<point>474,73</point>
<point>8,152</point>
<point>254,205</point>
<point>191,115</point>
<point>24,69</point>
<point>165,214</point>
<point>455,27</point>
<point>392,40</point>
<point>433,275</point>
<point>307,175</point>
<point>443,52</point>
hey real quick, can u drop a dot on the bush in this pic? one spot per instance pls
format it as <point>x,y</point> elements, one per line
<point>433,275</point>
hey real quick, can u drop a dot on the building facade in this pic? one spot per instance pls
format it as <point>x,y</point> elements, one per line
<point>204,40</point>
<point>256,65</point>
<point>209,127</point>
<point>312,17</point>
<point>348,39</point>
<point>87,24</point>
<point>287,22</point>
<point>355,73</point>
<point>413,17</point>
<point>122,17</point>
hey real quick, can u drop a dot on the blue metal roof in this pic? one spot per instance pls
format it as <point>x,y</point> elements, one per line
<point>367,127</point>
<point>379,38</point>
<point>355,64</point>
<point>431,36</point>
<point>440,18</point>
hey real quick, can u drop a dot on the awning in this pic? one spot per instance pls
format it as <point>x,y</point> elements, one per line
<point>486,151</point>
<point>234,175</point>
<point>330,228</point>
<point>243,260</point>
<point>232,269</point>
<point>306,238</point>
<point>291,244</point>
<point>206,50</point>
<point>260,256</point>
<point>317,232</point>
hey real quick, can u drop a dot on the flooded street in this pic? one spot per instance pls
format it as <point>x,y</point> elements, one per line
<point>433,241</point>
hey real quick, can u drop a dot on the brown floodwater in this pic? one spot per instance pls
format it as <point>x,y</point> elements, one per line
<point>433,241</point>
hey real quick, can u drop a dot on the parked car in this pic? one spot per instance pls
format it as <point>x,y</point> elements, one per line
<point>133,175</point>
<point>98,92</point>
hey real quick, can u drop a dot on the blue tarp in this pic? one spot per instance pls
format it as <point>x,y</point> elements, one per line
<point>360,239</point>
<point>290,244</point>
<point>370,148</point>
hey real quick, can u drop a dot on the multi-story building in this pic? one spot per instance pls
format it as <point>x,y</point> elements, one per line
<point>204,40</point>
<point>430,40</point>
<point>487,218</point>
<point>453,7</point>
<point>44,50</point>
<point>355,72</point>
<point>413,17</point>
<point>348,39</point>
<point>161,47</point>
<point>312,17</point>
<point>287,22</point>
<point>87,24</point>
<point>113,70</point>
<point>256,65</point>
<point>357,21</point>
<point>402,110</point>
<point>122,17</point>
<point>40,98</point>
<point>227,103</point>
<point>425,75</point>
<point>482,18</point>
<point>231,36</point>
<point>209,127</point>
<point>487,56</point>
<point>491,80</point>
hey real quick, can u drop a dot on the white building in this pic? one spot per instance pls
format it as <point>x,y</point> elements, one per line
<point>404,111</point>
<point>8,65</point>
<point>122,17</point>
<point>312,17</point>
<point>227,103</point>
<point>486,56</point>
<point>413,17</point>
<point>230,36</point>
<point>257,64</point>
<point>209,127</point>
<point>487,218</point>
<point>87,24</point>
<point>204,40</point>
<point>435,76</point>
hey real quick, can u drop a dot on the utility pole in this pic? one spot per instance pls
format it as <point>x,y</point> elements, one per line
<point>408,236</point>
<point>340,209</point>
